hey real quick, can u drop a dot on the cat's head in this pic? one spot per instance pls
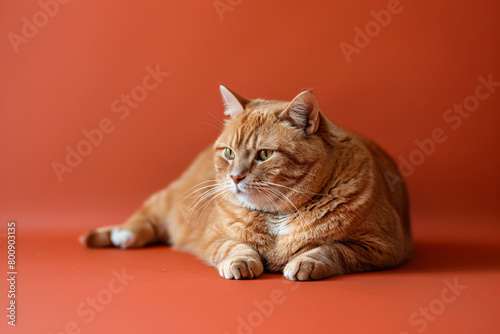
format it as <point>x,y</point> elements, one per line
<point>269,153</point>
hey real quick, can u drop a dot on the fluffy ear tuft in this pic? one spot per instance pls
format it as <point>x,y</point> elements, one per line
<point>234,104</point>
<point>303,112</point>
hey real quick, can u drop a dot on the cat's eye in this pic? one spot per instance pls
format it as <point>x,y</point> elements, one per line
<point>264,154</point>
<point>229,153</point>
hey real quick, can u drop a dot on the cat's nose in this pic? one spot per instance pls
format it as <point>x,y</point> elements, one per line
<point>237,178</point>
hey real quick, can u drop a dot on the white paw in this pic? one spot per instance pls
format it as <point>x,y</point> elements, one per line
<point>304,268</point>
<point>122,238</point>
<point>241,268</point>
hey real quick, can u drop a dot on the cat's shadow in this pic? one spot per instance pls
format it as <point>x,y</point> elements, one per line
<point>435,256</point>
<point>442,257</point>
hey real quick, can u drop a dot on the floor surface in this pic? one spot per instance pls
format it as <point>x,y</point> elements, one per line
<point>451,286</point>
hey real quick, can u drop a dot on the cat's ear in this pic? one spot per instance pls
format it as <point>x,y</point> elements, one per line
<point>234,104</point>
<point>303,112</point>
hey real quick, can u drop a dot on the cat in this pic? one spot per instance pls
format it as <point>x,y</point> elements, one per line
<point>283,189</point>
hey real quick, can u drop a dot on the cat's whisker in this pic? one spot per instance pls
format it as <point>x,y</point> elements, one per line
<point>215,191</point>
<point>300,191</point>
<point>282,196</point>
<point>198,199</point>
<point>288,202</point>
<point>269,198</point>
<point>225,192</point>
<point>220,125</point>
<point>195,208</point>
<point>214,125</point>
<point>202,194</point>
<point>207,194</point>
<point>196,190</point>
<point>266,198</point>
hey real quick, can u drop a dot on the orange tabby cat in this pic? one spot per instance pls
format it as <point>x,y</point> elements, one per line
<point>283,190</point>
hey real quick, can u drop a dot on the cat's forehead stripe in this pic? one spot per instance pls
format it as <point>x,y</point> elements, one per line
<point>250,130</point>
<point>246,139</point>
<point>252,141</point>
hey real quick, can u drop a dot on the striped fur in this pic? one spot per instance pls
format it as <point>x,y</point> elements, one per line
<point>321,205</point>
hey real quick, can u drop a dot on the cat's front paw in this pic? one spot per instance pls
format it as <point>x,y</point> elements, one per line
<point>305,268</point>
<point>241,268</point>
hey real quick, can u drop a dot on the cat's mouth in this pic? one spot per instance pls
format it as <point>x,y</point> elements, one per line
<point>240,190</point>
<point>258,198</point>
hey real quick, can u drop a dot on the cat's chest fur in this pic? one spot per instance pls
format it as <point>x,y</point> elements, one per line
<point>275,236</point>
<point>278,224</point>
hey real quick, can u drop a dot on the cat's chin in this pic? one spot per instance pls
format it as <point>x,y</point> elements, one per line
<point>254,203</point>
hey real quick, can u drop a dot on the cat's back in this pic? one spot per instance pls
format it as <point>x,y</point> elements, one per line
<point>390,182</point>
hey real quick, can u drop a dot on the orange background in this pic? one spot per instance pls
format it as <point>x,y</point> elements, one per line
<point>396,90</point>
